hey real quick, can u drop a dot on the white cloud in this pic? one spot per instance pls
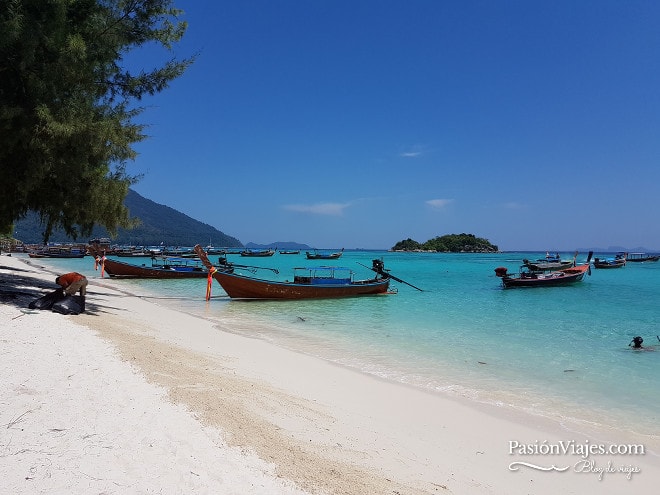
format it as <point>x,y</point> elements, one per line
<point>335,209</point>
<point>415,151</point>
<point>439,203</point>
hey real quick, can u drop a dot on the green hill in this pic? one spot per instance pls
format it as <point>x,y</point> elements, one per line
<point>450,243</point>
<point>158,224</point>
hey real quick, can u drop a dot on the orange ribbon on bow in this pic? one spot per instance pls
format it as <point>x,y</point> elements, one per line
<point>209,282</point>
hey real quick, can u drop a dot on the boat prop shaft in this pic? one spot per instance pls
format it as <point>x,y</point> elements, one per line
<point>379,268</point>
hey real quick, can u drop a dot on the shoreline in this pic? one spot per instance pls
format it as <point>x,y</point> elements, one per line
<point>326,428</point>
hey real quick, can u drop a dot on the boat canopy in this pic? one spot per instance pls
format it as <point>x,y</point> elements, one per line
<point>323,274</point>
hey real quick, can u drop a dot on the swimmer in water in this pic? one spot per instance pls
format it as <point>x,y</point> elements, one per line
<point>636,344</point>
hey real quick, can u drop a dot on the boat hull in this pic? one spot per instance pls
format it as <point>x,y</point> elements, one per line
<point>642,258</point>
<point>257,254</point>
<point>609,264</point>
<point>51,255</point>
<point>54,252</point>
<point>119,269</point>
<point>240,287</point>
<point>324,256</point>
<point>564,276</point>
<point>553,280</point>
<point>547,265</point>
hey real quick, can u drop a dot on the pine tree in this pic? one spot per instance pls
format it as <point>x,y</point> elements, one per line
<point>68,106</point>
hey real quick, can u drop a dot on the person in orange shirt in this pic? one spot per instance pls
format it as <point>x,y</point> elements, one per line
<point>72,282</point>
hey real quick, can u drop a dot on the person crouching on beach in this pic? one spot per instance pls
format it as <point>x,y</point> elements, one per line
<point>72,282</point>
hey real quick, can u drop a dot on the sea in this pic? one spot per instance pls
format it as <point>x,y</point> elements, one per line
<point>558,352</point>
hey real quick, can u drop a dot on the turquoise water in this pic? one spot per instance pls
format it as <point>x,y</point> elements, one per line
<point>560,352</point>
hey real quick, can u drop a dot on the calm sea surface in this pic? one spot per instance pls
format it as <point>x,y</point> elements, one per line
<point>560,352</point>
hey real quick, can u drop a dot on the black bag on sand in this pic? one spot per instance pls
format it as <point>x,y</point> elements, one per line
<point>47,301</point>
<point>70,305</point>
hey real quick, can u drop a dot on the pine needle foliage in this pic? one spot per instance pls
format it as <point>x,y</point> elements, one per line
<point>68,106</point>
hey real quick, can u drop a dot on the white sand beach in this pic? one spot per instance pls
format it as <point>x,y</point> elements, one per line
<point>136,397</point>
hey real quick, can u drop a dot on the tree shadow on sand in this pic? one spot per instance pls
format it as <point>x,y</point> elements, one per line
<point>19,287</point>
<point>20,290</point>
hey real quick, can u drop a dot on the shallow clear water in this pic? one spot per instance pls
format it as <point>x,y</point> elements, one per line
<point>555,351</point>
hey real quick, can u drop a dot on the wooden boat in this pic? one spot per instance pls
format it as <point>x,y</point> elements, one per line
<point>58,252</point>
<point>618,261</point>
<point>161,268</point>
<point>308,283</point>
<point>176,252</point>
<point>229,251</point>
<point>531,278</point>
<point>258,252</point>
<point>289,252</point>
<point>324,256</point>
<point>218,250</point>
<point>642,257</point>
<point>133,252</point>
<point>550,262</point>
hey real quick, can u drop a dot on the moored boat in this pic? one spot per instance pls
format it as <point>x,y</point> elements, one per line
<point>258,252</point>
<point>642,257</point>
<point>531,278</point>
<point>136,252</point>
<point>316,255</point>
<point>58,252</point>
<point>161,268</point>
<point>308,283</point>
<point>618,261</point>
<point>550,262</point>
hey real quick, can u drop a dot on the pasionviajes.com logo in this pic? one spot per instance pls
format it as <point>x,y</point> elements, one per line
<point>585,451</point>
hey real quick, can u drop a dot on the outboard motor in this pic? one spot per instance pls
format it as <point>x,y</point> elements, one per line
<point>379,267</point>
<point>500,271</point>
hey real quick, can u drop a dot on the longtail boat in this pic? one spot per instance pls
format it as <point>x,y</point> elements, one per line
<point>550,262</point>
<point>258,252</point>
<point>164,268</point>
<point>642,257</point>
<point>324,256</point>
<point>58,252</point>
<point>532,278</point>
<point>618,261</point>
<point>308,283</point>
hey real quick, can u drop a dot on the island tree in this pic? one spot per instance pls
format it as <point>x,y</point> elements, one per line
<point>450,243</point>
<point>68,104</point>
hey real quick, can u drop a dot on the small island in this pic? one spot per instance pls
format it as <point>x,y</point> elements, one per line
<point>451,243</point>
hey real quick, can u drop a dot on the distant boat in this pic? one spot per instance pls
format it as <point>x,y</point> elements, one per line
<point>308,283</point>
<point>289,252</point>
<point>530,278</point>
<point>227,251</point>
<point>217,250</point>
<point>58,252</point>
<point>324,256</point>
<point>618,261</point>
<point>258,252</point>
<point>133,252</point>
<point>174,251</point>
<point>642,257</point>
<point>550,262</point>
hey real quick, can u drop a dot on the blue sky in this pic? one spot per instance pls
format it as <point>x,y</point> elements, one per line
<point>357,124</point>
